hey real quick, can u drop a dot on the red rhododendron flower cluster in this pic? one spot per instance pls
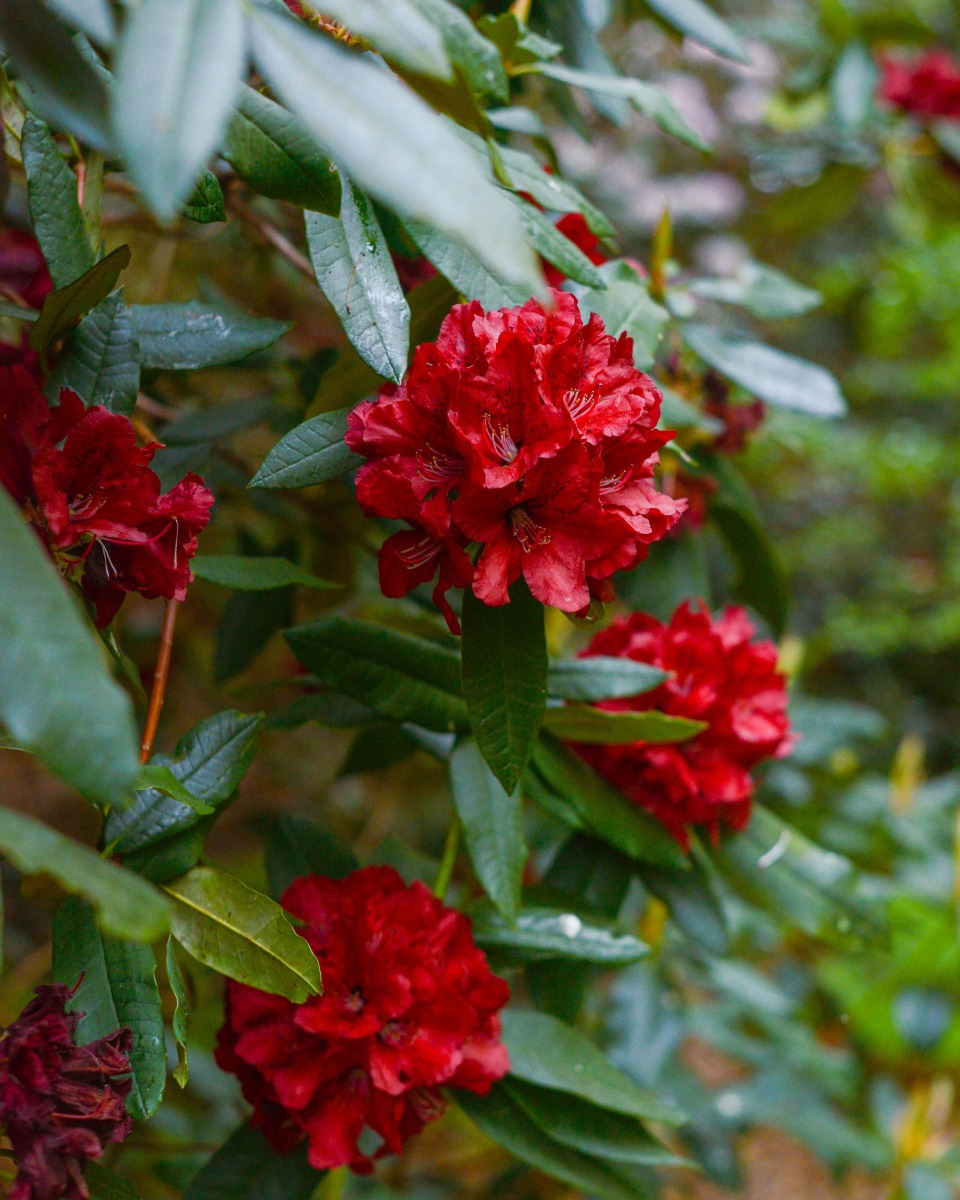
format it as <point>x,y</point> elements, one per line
<point>60,1104</point>
<point>88,488</point>
<point>24,280</point>
<point>409,1005</point>
<point>521,443</point>
<point>718,675</point>
<point>927,87</point>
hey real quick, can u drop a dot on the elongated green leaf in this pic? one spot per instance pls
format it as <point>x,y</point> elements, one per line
<point>463,269</point>
<point>63,306</point>
<point>127,906</point>
<point>116,986</point>
<point>392,144</point>
<point>399,30</point>
<point>557,248</point>
<point>554,1055</point>
<point>246,1167</point>
<point>399,676</point>
<point>696,20</point>
<point>504,672</point>
<point>54,208</point>
<point>247,573</point>
<point>205,203</point>
<point>597,726</point>
<point>764,292</point>
<point>578,796</point>
<point>298,847</point>
<point>64,87</point>
<point>249,621</point>
<point>181,1014</point>
<point>760,579</point>
<point>275,153</point>
<point>313,452</point>
<point>242,934</point>
<point>105,1184</point>
<point>646,98</point>
<point>161,779</point>
<point>189,337</point>
<point>355,272</point>
<point>475,57</point>
<point>624,306</point>
<point>177,76</point>
<point>598,677</point>
<point>92,17</point>
<point>57,698</point>
<point>693,903</point>
<point>548,933</point>
<point>780,379</point>
<point>101,359</point>
<point>492,827</point>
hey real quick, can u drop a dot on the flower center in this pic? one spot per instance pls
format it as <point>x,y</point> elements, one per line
<point>438,467</point>
<point>526,530</point>
<point>613,483</point>
<point>578,403</point>
<point>419,553</point>
<point>501,439</point>
<point>354,1002</point>
<point>394,1033</point>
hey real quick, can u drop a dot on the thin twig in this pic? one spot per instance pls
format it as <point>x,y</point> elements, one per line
<point>159,681</point>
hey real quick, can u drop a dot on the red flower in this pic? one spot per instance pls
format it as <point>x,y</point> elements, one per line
<point>531,435</point>
<point>89,489</point>
<point>23,273</point>
<point>718,675</point>
<point>927,87</point>
<point>60,1104</point>
<point>409,1005</point>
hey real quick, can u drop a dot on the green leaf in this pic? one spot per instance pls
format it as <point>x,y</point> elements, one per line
<point>647,99</point>
<point>242,934</point>
<point>127,906</point>
<point>105,1184</point>
<point>162,779</point>
<point>63,306</point>
<point>764,292</point>
<point>624,306</point>
<point>693,903</point>
<point>557,248</point>
<point>313,452</point>
<point>190,337</point>
<point>275,153</point>
<point>57,698</point>
<point>578,796</point>
<point>92,17</point>
<point>248,622</point>
<point>392,144</point>
<point>504,673</point>
<point>463,269</point>
<point>182,1013</point>
<point>697,21</point>
<point>399,676</point>
<point>205,203</point>
<point>853,87</point>
<point>502,1119</point>
<point>116,986</point>
<point>597,677</point>
<point>178,72</point>
<point>516,42</point>
<point>760,579</point>
<point>475,57</point>
<point>492,827</point>
<point>297,847</point>
<point>780,379</point>
<point>597,726</point>
<point>249,573</point>
<point>54,209</point>
<point>63,86</point>
<point>160,836</point>
<point>353,266</point>
<point>400,31</point>
<point>246,1167</point>
<point>101,359</point>
<point>540,934</point>
<point>554,1055</point>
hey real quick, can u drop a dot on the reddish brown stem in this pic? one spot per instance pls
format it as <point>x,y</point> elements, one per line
<point>159,681</point>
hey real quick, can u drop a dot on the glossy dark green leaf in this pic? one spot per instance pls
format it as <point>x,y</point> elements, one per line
<point>189,337</point>
<point>253,573</point>
<point>492,823</point>
<point>391,143</point>
<point>399,676</point>
<point>698,21</point>
<point>463,269</point>
<point>475,57</point>
<point>116,986</point>
<point>54,208</point>
<point>64,305</point>
<point>764,292</point>
<point>296,847</point>
<point>105,1184</point>
<point>205,203</point>
<point>246,1167</point>
<point>780,379</point>
<point>126,905</point>
<point>549,933</point>
<point>554,1055</point>
<point>400,31</point>
<point>578,796</point>
<point>355,272</point>
<point>504,673</point>
<point>182,1013</point>
<point>57,698</point>
<point>273,151</point>
<point>598,726</point>
<point>156,777</point>
<point>598,677</point>
<point>242,934</point>
<point>178,72</point>
<point>313,452</point>
<point>554,246</point>
<point>63,86</point>
<point>624,306</point>
<point>101,359</point>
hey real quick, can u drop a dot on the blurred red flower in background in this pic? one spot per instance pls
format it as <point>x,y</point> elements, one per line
<point>929,86</point>
<point>24,280</point>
